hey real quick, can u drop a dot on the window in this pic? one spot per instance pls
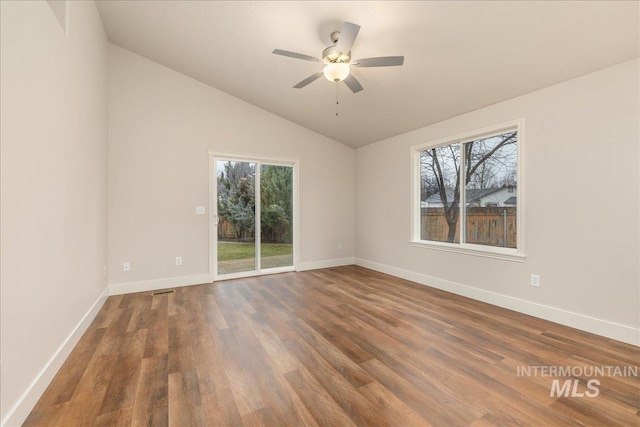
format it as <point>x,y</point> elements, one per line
<point>467,193</point>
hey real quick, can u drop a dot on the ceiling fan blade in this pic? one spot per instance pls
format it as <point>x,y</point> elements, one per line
<point>352,83</point>
<point>348,35</point>
<point>382,61</point>
<point>295,55</point>
<point>310,79</point>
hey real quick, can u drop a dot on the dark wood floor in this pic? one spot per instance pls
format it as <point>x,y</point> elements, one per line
<point>334,347</point>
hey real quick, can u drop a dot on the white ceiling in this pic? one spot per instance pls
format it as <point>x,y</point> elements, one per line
<point>459,56</point>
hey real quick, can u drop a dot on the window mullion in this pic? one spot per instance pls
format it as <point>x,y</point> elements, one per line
<point>258,215</point>
<point>417,216</point>
<point>463,194</point>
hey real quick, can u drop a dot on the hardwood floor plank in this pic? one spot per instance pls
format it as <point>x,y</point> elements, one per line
<point>220,409</point>
<point>112,339</point>
<point>124,381</point>
<point>283,402</point>
<point>248,398</point>
<point>425,403</point>
<point>287,403</point>
<point>584,413</point>
<point>212,312</point>
<point>225,304</point>
<point>326,328</point>
<point>391,406</point>
<point>210,366</point>
<point>133,300</point>
<point>321,405</point>
<point>490,420</point>
<point>139,318</point>
<point>185,403</point>
<point>157,343</point>
<point>119,418</point>
<point>86,401</point>
<point>263,417</point>
<point>278,354</point>
<point>46,415</point>
<point>108,312</point>
<point>160,301</point>
<point>151,402</point>
<point>180,347</point>
<point>351,402</point>
<point>349,370</point>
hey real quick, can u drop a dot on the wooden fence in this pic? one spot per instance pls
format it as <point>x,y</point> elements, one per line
<point>485,226</point>
<point>226,231</point>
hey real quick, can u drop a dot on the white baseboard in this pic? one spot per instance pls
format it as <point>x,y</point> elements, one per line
<point>314,265</point>
<point>21,409</point>
<point>601,327</point>
<point>153,285</point>
<point>196,279</point>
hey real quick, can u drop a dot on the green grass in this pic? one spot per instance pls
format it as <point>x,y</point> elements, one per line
<point>229,251</point>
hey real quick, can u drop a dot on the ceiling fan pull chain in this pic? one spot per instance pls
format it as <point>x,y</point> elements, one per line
<point>337,103</point>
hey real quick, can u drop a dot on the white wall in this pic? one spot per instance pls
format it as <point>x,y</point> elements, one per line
<point>161,124</point>
<point>53,189</point>
<point>581,191</point>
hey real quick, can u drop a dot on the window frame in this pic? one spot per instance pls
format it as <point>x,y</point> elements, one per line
<point>508,254</point>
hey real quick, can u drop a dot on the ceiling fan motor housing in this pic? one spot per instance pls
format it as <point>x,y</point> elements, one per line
<point>335,36</point>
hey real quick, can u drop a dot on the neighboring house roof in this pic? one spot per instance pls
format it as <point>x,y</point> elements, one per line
<point>473,195</point>
<point>435,199</point>
<point>511,200</point>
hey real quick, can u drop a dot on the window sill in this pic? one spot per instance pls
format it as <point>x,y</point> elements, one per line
<point>475,250</point>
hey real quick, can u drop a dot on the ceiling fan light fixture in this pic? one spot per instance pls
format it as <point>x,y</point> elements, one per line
<point>336,71</point>
<point>337,59</point>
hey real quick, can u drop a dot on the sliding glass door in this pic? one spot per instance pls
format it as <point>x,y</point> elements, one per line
<point>236,221</point>
<point>276,216</point>
<point>253,217</point>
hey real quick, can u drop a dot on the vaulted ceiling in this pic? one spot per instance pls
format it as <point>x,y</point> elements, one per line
<point>459,56</point>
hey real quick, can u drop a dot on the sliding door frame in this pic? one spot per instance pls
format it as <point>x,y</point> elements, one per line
<point>259,160</point>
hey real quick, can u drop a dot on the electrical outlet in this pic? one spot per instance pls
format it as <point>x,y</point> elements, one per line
<point>339,246</point>
<point>126,266</point>
<point>535,280</point>
<point>178,260</point>
<point>199,210</point>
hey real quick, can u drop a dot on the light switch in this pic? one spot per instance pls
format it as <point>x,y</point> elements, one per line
<point>199,210</point>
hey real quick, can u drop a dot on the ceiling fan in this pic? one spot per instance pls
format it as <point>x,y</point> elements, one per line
<point>337,59</point>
